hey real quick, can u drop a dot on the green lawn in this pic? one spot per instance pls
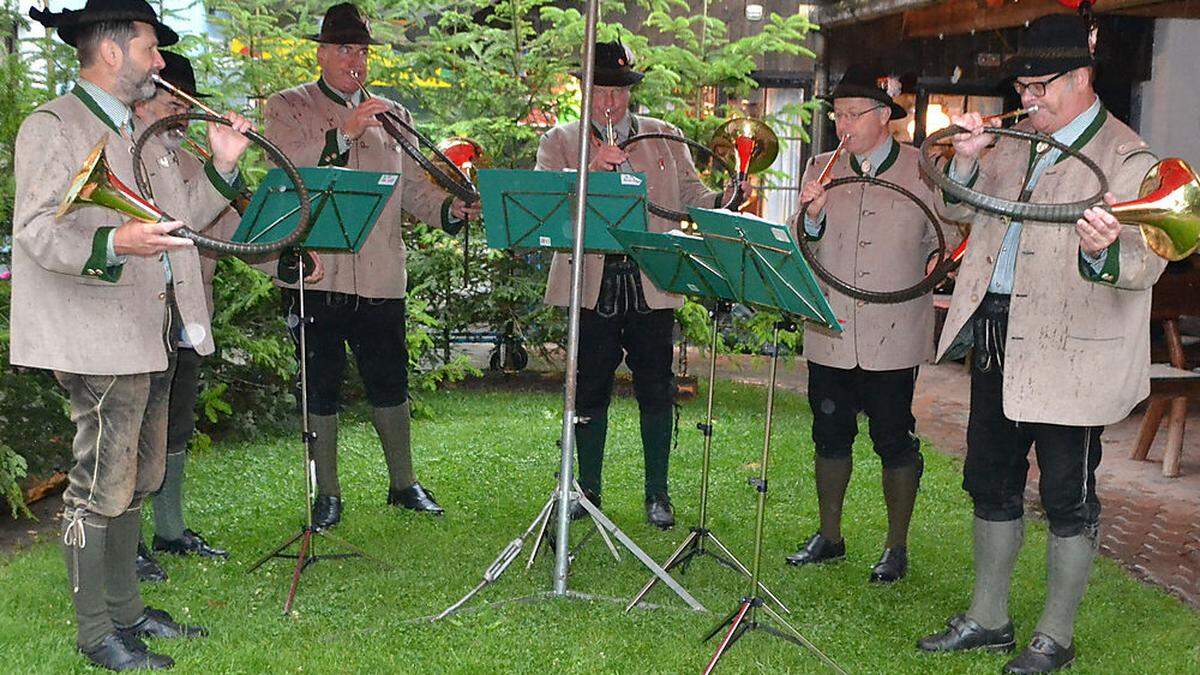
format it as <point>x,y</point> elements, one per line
<point>490,459</point>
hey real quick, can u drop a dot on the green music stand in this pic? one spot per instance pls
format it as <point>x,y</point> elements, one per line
<point>764,268</point>
<point>532,209</point>
<point>763,264</point>
<point>345,206</point>
<point>683,263</point>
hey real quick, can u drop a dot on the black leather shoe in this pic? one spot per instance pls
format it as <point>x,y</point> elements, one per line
<point>148,568</point>
<point>190,543</point>
<point>327,512</point>
<point>819,549</point>
<point>963,633</point>
<point>120,652</point>
<point>416,498</point>
<point>659,512</point>
<point>1043,655</point>
<point>892,565</point>
<point>577,510</point>
<point>157,623</point>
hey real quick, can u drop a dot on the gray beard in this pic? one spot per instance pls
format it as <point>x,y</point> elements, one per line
<point>133,87</point>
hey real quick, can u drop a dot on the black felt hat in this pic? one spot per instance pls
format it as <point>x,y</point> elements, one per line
<point>178,72</point>
<point>862,81</point>
<point>614,66</point>
<point>344,24</point>
<point>1052,44</point>
<point>70,21</point>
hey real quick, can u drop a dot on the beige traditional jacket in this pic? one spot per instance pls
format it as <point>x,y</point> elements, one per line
<point>163,169</point>
<point>71,311</point>
<point>1078,347</point>
<point>671,181</point>
<point>303,122</point>
<point>878,239</point>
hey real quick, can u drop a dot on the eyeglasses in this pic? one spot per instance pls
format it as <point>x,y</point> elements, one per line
<point>850,116</point>
<point>353,50</point>
<point>1037,89</point>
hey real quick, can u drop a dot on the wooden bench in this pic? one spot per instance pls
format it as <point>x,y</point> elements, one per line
<point>1174,383</point>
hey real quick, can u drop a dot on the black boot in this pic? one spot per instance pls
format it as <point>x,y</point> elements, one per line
<point>148,568</point>
<point>892,565</point>
<point>1043,655</point>
<point>659,512</point>
<point>819,549</point>
<point>591,431</point>
<point>415,498</point>
<point>327,512</point>
<point>120,652</point>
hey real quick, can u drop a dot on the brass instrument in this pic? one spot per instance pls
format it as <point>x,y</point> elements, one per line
<point>450,176</point>
<point>748,144</point>
<point>465,153</point>
<point>174,123</point>
<point>612,136</point>
<point>95,183</point>
<point>833,159</point>
<point>1167,209</point>
<point>1012,113</point>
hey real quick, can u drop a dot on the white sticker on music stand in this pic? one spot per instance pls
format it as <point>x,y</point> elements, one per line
<point>627,179</point>
<point>388,179</point>
<point>780,234</point>
<point>543,241</point>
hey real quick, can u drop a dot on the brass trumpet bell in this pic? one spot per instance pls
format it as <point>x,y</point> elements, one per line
<point>1167,209</point>
<point>747,143</point>
<point>467,154</point>
<point>95,183</point>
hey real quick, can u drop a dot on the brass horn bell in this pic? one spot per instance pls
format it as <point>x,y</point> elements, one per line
<point>1167,209</point>
<point>466,153</point>
<point>95,183</point>
<point>746,143</point>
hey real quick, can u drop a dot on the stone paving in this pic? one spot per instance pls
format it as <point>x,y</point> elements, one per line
<point>1150,524</point>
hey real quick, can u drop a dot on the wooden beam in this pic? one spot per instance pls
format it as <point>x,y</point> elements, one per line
<point>963,16</point>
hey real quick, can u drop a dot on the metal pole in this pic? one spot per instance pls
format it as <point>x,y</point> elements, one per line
<point>566,470</point>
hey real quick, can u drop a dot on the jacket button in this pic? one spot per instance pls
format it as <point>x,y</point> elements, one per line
<point>864,243</point>
<point>989,260</point>
<point>861,303</point>
<point>974,298</point>
<point>162,296</point>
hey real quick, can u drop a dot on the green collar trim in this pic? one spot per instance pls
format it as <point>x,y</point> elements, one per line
<point>1084,138</point>
<point>94,107</point>
<point>887,163</point>
<point>333,95</point>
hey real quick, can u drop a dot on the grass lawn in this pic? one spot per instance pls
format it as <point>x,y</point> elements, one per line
<point>490,459</point>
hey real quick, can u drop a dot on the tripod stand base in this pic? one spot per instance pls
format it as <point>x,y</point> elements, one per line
<point>693,546</point>
<point>307,556</point>
<point>744,619</point>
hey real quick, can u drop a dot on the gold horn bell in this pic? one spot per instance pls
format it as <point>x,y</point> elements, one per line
<point>466,153</point>
<point>1167,209</point>
<point>95,183</point>
<point>746,143</point>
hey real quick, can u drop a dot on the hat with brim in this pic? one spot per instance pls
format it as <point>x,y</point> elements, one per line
<point>70,22</point>
<point>344,24</point>
<point>862,81</point>
<point>1052,44</point>
<point>179,72</point>
<point>614,66</point>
